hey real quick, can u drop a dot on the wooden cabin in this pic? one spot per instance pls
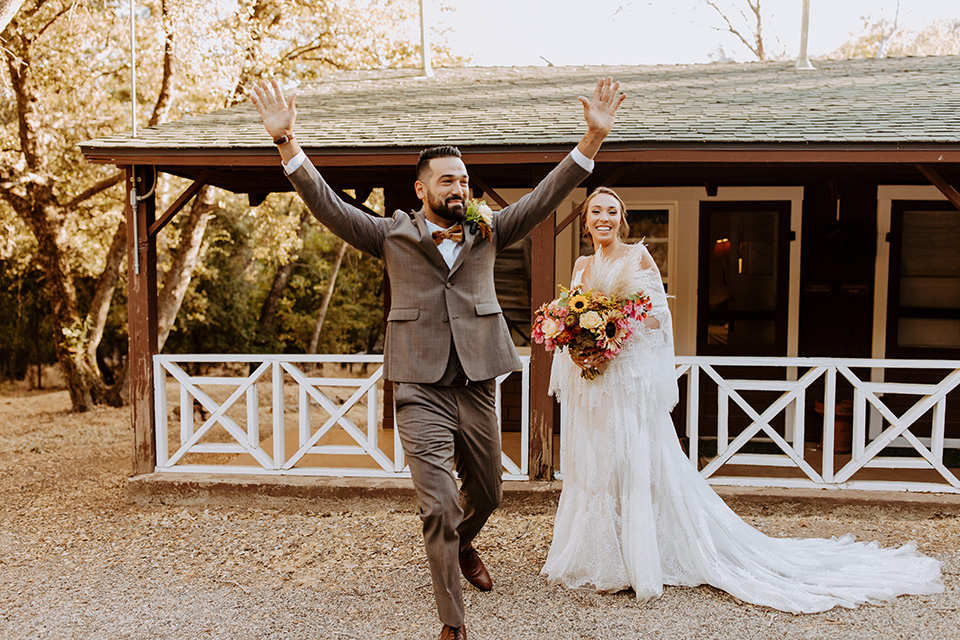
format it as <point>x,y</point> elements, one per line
<point>793,212</point>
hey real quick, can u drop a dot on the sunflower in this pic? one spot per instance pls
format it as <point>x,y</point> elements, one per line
<point>614,331</point>
<point>578,303</point>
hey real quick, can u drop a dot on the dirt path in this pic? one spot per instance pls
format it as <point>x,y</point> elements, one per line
<point>78,562</point>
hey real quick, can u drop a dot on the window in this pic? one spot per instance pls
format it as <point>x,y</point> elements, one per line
<point>923,308</point>
<point>743,278</point>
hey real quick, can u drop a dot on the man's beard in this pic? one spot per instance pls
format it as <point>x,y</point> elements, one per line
<point>452,209</point>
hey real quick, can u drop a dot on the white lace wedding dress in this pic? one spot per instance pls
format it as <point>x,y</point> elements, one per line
<point>635,513</point>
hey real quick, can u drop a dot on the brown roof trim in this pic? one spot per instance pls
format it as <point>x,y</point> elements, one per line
<point>698,154</point>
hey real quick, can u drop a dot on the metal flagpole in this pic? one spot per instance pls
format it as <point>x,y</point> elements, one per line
<point>133,71</point>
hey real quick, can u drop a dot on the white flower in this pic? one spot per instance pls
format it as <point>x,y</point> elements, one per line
<point>486,213</point>
<point>590,320</point>
<point>550,327</point>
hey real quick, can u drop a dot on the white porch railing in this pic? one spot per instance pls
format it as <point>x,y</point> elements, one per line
<point>876,428</point>
<point>315,424</point>
<point>239,433</point>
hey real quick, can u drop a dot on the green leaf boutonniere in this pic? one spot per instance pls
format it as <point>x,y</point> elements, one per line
<point>479,216</point>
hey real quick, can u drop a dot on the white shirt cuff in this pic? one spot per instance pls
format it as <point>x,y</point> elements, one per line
<point>580,159</point>
<point>297,160</point>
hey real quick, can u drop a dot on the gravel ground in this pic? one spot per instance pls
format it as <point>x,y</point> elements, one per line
<point>76,561</point>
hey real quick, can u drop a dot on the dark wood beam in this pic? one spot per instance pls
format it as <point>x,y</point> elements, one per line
<point>613,176</point>
<point>179,203</point>
<point>541,403</point>
<point>566,221</point>
<point>359,203</point>
<point>142,317</point>
<point>488,191</point>
<point>940,183</point>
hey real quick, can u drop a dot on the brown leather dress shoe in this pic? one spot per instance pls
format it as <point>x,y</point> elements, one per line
<point>471,566</point>
<point>453,633</point>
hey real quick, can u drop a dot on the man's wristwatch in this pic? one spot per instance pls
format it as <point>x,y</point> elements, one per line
<point>284,139</point>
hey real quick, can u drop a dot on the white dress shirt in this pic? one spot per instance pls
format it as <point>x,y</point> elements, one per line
<point>447,247</point>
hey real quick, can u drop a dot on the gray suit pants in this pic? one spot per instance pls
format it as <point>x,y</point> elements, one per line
<point>442,428</point>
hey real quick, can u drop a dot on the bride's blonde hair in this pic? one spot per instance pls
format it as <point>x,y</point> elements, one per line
<point>623,231</point>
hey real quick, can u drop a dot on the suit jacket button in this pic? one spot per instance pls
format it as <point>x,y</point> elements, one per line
<point>448,284</point>
<point>444,318</point>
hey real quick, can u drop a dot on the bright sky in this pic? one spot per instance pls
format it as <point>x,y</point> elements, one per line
<point>570,32</point>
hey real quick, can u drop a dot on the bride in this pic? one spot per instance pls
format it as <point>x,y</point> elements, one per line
<point>635,513</point>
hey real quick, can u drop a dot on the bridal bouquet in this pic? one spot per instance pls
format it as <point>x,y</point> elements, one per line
<point>586,320</point>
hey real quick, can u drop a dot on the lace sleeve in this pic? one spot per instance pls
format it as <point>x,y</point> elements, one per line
<point>659,325</point>
<point>656,333</point>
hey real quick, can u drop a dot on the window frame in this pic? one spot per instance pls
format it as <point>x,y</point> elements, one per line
<point>895,241</point>
<point>781,317</point>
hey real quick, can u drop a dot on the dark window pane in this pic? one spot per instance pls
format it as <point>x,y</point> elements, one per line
<point>929,280</point>
<point>743,277</point>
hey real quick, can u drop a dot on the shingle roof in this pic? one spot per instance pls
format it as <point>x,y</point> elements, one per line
<point>895,100</point>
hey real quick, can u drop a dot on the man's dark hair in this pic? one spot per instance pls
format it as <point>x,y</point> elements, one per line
<point>423,164</point>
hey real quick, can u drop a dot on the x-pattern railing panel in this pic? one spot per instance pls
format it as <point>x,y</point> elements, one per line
<point>308,443</point>
<point>932,399</point>
<point>364,439</point>
<point>867,393</point>
<point>761,422</point>
<point>189,437</point>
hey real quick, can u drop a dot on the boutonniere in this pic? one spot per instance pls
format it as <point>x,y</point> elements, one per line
<point>479,216</point>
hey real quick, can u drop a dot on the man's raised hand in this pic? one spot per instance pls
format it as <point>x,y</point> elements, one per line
<point>278,113</point>
<point>601,110</point>
<point>600,113</point>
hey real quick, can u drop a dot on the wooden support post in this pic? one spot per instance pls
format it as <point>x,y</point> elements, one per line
<point>541,404</point>
<point>142,313</point>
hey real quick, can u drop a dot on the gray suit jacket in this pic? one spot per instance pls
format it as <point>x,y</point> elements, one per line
<point>433,305</point>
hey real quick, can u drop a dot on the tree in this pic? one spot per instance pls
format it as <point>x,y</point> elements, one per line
<point>747,21</point>
<point>40,181</point>
<point>65,68</point>
<point>881,38</point>
<point>751,35</point>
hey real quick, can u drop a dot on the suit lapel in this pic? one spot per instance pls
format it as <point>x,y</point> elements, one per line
<point>427,243</point>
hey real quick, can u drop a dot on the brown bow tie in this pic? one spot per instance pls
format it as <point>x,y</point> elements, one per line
<point>454,233</point>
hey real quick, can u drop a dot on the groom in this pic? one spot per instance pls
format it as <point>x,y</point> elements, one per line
<point>446,338</point>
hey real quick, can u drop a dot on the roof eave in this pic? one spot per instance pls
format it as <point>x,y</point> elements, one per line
<point>661,152</point>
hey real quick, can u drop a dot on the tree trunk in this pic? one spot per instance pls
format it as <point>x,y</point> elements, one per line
<point>106,285</point>
<point>86,386</point>
<point>315,338</point>
<point>185,260</point>
<point>268,312</point>
<point>165,98</point>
